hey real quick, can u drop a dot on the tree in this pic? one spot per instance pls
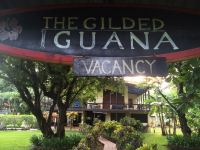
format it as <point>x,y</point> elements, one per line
<point>193,117</point>
<point>186,76</point>
<point>158,108</point>
<point>181,103</point>
<point>54,81</point>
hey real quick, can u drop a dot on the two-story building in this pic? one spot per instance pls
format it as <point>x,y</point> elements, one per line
<point>114,106</point>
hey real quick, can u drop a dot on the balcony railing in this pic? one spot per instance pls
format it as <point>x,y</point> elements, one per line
<point>100,106</point>
<point>119,106</point>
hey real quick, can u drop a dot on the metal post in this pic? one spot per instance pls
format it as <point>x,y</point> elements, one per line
<point>149,98</point>
<point>110,102</point>
<point>143,99</point>
<point>149,94</point>
<point>116,105</point>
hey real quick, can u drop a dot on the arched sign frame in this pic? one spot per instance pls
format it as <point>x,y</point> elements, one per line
<point>68,60</point>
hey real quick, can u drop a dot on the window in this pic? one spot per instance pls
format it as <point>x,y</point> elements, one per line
<point>119,116</point>
<point>142,117</point>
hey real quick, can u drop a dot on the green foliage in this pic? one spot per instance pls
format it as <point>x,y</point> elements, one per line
<point>193,118</point>
<point>151,146</point>
<point>122,131</point>
<point>125,121</point>
<point>138,125</point>
<point>110,126</point>
<point>6,119</point>
<point>83,145</point>
<point>30,121</point>
<point>96,120</point>
<point>92,137</point>
<point>36,140</point>
<point>33,78</point>
<point>56,143</point>
<point>187,141</point>
<point>85,128</point>
<point>131,122</point>
<point>145,147</point>
<point>17,120</point>
<point>133,138</point>
<point>128,138</point>
<point>154,145</point>
<point>128,146</point>
<point>187,73</point>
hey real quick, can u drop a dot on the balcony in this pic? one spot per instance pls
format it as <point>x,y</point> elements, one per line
<point>103,107</point>
<point>118,107</point>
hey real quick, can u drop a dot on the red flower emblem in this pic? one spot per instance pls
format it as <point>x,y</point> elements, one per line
<point>9,30</point>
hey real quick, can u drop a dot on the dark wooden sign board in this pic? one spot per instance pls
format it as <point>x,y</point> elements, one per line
<point>57,34</point>
<point>120,66</point>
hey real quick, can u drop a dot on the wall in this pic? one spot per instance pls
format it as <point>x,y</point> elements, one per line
<point>107,116</point>
<point>83,117</point>
<point>100,98</point>
<point>126,95</point>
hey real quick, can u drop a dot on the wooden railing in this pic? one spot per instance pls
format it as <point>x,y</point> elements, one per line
<point>108,106</point>
<point>122,106</point>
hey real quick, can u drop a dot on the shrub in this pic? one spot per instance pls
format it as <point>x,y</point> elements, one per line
<point>90,141</point>
<point>6,119</point>
<point>110,126</point>
<point>92,137</point>
<point>192,141</point>
<point>39,142</point>
<point>131,122</point>
<point>138,125</point>
<point>36,140</point>
<point>128,146</point>
<point>96,120</point>
<point>75,138</point>
<point>30,121</point>
<point>154,145</point>
<point>145,147</point>
<point>85,128</point>
<point>134,139</point>
<point>124,121</point>
<point>121,131</point>
<point>82,145</point>
<point>16,121</point>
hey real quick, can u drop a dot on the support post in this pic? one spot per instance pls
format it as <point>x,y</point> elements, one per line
<point>116,105</point>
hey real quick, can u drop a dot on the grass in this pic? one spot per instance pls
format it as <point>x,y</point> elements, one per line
<point>158,138</point>
<point>19,140</point>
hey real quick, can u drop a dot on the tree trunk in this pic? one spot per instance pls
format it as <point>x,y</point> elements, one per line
<point>183,121</point>
<point>169,127</point>
<point>44,127</point>
<point>162,125</point>
<point>61,122</point>
<point>174,132</point>
<point>70,124</point>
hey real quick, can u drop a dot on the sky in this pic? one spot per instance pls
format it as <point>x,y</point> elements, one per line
<point>138,79</point>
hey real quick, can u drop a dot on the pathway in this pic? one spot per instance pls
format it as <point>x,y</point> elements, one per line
<point>107,144</point>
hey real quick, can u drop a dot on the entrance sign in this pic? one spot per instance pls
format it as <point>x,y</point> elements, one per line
<point>120,66</point>
<point>56,34</point>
